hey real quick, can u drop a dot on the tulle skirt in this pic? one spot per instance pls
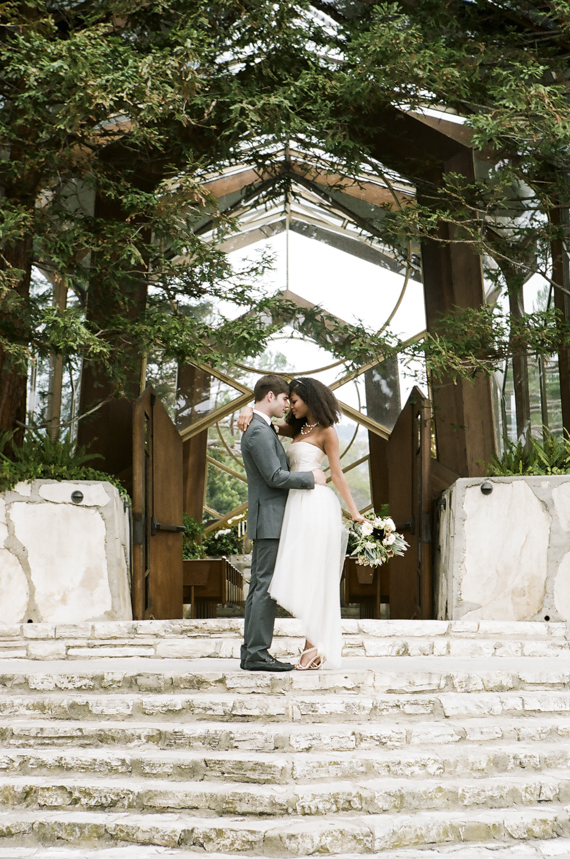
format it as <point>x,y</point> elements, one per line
<point>309,566</point>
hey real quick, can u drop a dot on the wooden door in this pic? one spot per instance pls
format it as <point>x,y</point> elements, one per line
<point>157,511</point>
<point>409,461</point>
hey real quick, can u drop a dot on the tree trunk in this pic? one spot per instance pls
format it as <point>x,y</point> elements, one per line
<point>108,431</point>
<point>13,378</point>
<point>561,278</point>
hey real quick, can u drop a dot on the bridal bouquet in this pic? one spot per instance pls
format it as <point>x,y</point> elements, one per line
<point>373,542</point>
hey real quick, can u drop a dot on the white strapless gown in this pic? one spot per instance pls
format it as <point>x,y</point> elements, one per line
<point>310,558</point>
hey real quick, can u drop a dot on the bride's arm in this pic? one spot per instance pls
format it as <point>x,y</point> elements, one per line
<point>331,449</point>
<point>246,415</point>
<point>284,428</point>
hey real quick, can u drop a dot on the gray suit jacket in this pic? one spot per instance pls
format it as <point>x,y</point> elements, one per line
<point>268,480</point>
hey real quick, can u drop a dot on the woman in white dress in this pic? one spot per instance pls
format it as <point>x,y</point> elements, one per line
<point>313,540</point>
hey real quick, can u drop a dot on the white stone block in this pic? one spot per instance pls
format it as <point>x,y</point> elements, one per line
<point>66,553</point>
<point>189,649</point>
<point>14,589</point>
<point>562,587</point>
<point>73,630</point>
<point>94,494</point>
<point>471,648</point>
<point>465,682</point>
<point>10,631</point>
<point>463,627</point>
<point>113,630</point>
<point>23,488</point>
<point>3,522</point>
<point>561,498</point>
<point>46,650</point>
<point>504,556</point>
<point>506,544</point>
<point>63,561</point>
<point>38,630</point>
<point>379,647</point>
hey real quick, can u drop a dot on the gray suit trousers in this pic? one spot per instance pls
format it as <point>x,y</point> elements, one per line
<point>259,606</point>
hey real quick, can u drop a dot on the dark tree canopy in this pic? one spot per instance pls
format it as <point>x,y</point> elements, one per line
<point>113,112</point>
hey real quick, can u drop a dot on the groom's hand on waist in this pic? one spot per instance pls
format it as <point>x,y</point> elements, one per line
<point>320,477</point>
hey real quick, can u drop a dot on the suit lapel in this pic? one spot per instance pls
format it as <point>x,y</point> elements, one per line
<point>278,446</point>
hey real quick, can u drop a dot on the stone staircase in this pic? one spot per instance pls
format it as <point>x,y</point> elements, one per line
<point>144,739</point>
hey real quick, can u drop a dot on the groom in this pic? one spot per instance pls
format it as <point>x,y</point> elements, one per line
<point>268,483</point>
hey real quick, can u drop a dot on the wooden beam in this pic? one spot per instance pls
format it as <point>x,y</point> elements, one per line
<point>364,420</point>
<point>194,453</point>
<point>226,468</point>
<point>463,409</point>
<point>352,465</point>
<point>223,377</point>
<point>235,512</point>
<point>215,416</point>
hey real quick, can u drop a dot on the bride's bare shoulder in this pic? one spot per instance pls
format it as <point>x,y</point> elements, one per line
<point>330,432</point>
<point>329,435</point>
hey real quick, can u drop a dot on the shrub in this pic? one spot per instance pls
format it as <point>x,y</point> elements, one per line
<point>41,457</point>
<point>196,544</point>
<point>550,457</point>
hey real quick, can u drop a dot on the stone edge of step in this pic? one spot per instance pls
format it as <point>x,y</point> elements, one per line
<point>284,627</point>
<point>375,834</point>
<point>558,847</point>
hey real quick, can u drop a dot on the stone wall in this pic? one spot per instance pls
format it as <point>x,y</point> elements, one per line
<point>63,560</point>
<point>504,555</point>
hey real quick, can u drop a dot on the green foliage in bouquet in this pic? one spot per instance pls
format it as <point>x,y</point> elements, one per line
<point>375,541</point>
<point>41,457</point>
<point>550,457</point>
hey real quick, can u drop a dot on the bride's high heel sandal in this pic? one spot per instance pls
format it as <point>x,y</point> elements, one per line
<point>313,663</point>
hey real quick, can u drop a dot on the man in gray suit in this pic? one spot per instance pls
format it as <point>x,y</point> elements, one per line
<point>268,483</point>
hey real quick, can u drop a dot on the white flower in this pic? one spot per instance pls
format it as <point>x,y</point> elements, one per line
<point>378,522</point>
<point>389,525</point>
<point>369,545</point>
<point>366,529</point>
<point>223,531</point>
<point>389,540</point>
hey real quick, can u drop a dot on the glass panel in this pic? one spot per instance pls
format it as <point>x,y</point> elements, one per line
<point>352,448</point>
<point>553,410</point>
<point>382,389</point>
<point>224,492</point>
<point>288,352</point>
<point>199,394</point>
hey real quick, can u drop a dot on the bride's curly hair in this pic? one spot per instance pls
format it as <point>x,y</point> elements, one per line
<point>320,400</point>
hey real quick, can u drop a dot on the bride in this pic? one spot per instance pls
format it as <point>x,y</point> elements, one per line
<point>313,541</point>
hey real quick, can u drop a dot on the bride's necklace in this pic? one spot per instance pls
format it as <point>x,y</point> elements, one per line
<point>307,428</point>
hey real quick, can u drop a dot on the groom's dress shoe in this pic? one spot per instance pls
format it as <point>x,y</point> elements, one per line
<point>266,663</point>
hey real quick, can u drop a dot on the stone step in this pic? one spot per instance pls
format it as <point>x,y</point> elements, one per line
<point>553,849</point>
<point>293,707</point>
<point>359,676</point>
<point>283,767</point>
<point>293,837</point>
<point>370,797</point>
<point>329,737</point>
<point>557,847</point>
<point>221,638</point>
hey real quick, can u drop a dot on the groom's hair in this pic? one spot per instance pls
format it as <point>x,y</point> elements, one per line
<point>269,383</point>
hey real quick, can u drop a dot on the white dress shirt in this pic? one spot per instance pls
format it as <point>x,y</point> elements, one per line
<point>265,417</point>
